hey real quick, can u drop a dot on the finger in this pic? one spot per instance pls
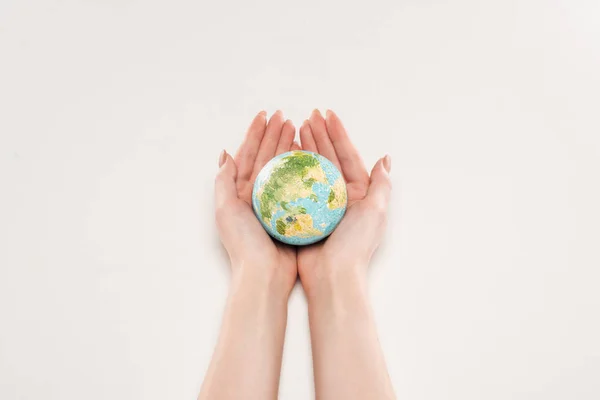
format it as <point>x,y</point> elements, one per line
<point>269,141</point>
<point>246,154</point>
<point>295,146</point>
<point>324,145</point>
<point>381,185</point>
<point>352,164</point>
<point>225,182</point>
<point>288,133</point>
<point>307,139</point>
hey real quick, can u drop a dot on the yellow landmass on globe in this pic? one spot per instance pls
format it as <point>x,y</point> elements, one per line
<point>337,195</point>
<point>302,226</point>
<point>316,173</point>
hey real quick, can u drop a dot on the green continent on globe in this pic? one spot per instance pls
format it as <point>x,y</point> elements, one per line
<point>299,197</point>
<point>291,179</point>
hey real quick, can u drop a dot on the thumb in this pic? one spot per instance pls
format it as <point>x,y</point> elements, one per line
<point>380,187</point>
<point>225,182</point>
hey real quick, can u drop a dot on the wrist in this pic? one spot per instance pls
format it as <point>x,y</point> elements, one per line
<point>339,298</point>
<point>261,283</point>
<point>335,282</point>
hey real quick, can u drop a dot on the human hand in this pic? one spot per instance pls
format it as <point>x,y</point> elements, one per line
<point>255,257</point>
<point>247,359</point>
<point>345,254</point>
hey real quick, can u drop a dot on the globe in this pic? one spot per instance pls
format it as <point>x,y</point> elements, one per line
<point>299,197</point>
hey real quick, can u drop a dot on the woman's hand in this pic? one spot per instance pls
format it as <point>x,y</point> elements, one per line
<point>247,359</point>
<point>348,362</point>
<point>349,248</point>
<point>254,256</point>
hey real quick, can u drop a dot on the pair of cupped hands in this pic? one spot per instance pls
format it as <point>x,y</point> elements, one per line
<point>258,259</point>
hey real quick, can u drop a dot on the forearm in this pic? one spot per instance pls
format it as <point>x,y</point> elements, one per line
<point>347,356</point>
<point>247,359</point>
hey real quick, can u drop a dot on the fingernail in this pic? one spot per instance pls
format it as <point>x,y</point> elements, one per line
<point>316,112</point>
<point>263,113</point>
<point>222,158</point>
<point>305,123</point>
<point>278,112</point>
<point>387,163</point>
<point>328,114</point>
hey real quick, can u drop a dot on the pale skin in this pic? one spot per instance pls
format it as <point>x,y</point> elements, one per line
<point>347,357</point>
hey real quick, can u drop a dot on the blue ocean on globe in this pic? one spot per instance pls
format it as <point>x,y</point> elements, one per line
<point>299,197</point>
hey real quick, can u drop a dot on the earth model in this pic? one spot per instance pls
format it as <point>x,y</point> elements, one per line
<point>299,197</point>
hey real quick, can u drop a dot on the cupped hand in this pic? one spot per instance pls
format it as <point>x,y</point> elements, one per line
<point>350,247</point>
<point>255,257</point>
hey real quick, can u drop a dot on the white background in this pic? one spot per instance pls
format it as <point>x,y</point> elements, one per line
<point>112,117</point>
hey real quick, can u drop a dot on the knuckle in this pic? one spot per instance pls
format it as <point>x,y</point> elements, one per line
<point>386,181</point>
<point>381,210</point>
<point>378,208</point>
